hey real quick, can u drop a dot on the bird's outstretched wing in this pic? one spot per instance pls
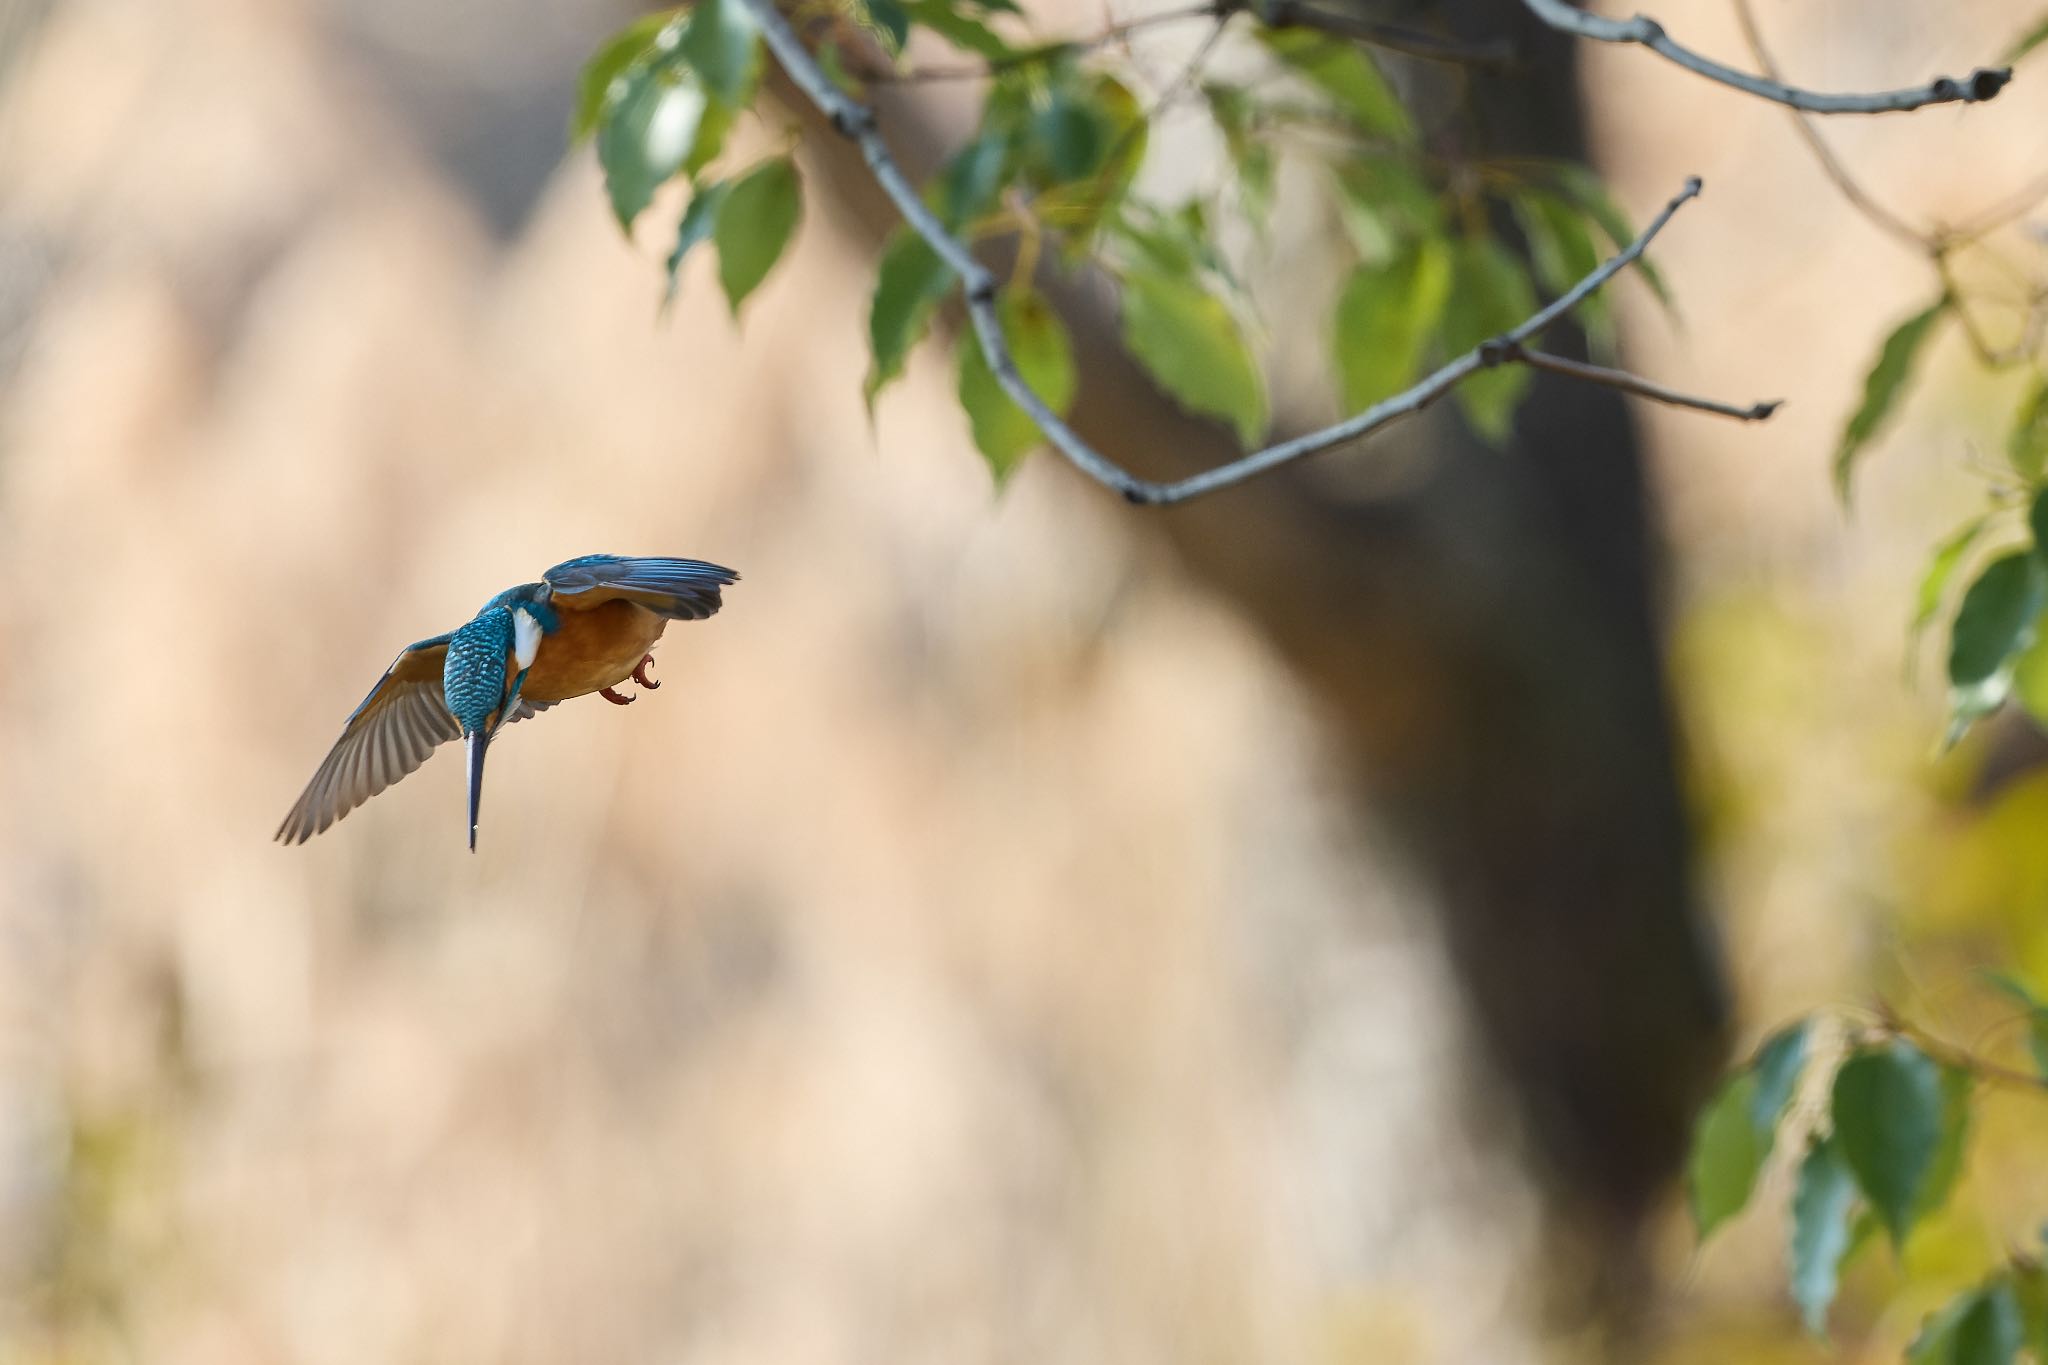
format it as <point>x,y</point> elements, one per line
<point>402,721</point>
<point>389,735</point>
<point>682,589</point>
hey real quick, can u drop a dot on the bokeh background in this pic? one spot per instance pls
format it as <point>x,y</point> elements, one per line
<point>1021,928</point>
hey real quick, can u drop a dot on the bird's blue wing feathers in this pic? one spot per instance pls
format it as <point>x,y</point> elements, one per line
<point>390,734</point>
<point>404,719</point>
<point>684,589</point>
<point>419,661</point>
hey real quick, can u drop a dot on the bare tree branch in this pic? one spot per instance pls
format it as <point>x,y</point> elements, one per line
<point>1408,42</point>
<point>1981,84</point>
<point>968,71</point>
<point>1875,213</point>
<point>1640,387</point>
<point>1935,240</point>
<point>1937,243</point>
<point>1190,72</point>
<point>856,121</point>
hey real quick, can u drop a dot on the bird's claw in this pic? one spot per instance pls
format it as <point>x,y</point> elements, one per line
<point>640,675</point>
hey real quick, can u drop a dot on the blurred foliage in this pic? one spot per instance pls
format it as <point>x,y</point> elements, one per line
<point>1447,248</point>
<point>1450,248</point>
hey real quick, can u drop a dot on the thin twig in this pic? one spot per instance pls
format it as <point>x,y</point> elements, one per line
<point>1937,244</point>
<point>1981,84</point>
<point>1989,356</point>
<point>1409,42</point>
<point>857,122</point>
<point>1998,215</point>
<point>1877,214</point>
<point>1930,240</point>
<point>1640,387</point>
<point>1948,1054</point>
<point>1172,93</point>
<point>969,71</point>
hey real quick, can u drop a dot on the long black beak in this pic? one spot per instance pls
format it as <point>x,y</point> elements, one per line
<point>478,740</point>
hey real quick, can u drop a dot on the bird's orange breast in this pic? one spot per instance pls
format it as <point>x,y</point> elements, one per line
<point>594,648</point>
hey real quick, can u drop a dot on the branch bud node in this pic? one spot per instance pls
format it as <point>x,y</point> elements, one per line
<point>853,120</point>
<point>1985,82</point>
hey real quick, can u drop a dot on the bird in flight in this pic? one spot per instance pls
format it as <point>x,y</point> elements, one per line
<point>585,627</point>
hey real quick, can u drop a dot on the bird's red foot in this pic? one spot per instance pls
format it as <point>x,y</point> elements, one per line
<point>613,697</point>
<point>641,675</point>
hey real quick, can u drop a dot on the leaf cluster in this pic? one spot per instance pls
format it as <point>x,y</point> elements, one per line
<point>1446,253</point>
<point>658,99</point>
<point>1881,1157</point>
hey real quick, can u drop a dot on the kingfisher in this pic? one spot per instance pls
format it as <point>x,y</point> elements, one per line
<point>587,626</point>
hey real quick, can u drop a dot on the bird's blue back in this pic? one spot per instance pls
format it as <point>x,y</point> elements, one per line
<point>473,678</point>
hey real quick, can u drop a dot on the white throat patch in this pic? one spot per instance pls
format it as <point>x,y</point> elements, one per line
<point>525,637</point>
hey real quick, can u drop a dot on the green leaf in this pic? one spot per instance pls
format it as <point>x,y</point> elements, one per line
<point>2026,445</point>
<point>1386,200</point>
<point>645,135</point>
<point>2037,522</point>
<point>1822,1200</point>
<point>960,29</point>
<point>696,226</point>
<point>1947,1165</point>
<point>1191,344</point>
<point>969,182</point>
<point>1726,1155</point>
<point>1489,295</point>
<point>1980,1327</point>
<point>711,130</point>
<point>1889,1111</point>
<point>1882,387</point>
<point>1994,622</point>
<point>1166,242</point>
<point>2037,1041</point>
<point>1347,75</point>
<point>2036,1008</point>
<point>1233,111</point>
<point>1385,317</point>
<point>1038,343</point>
<point>755,223</point>
<point>832,61</point>
<point>1586,190</point>
<point>2030,1295</point>
<point>2028,683</point>
<point>634,43</point>
<point>1068,140</point>
<point>1735,1132</point>
<point>890,20</point>
<point>723,43</point>
<point>1934,1343</point>
<point>1562,252</point>
<point>1122,132</point>
<point>908,287</point>
<point>1560,246</point>
<point>2026,42</point>
<point>2010,985</point>
<point>1777,1065</point>
<point>1948,556</point>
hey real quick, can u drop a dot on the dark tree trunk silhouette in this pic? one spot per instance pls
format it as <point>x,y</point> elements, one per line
<point>1487,646</point>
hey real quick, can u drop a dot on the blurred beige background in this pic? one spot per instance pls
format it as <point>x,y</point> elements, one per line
<point>970,953</point>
